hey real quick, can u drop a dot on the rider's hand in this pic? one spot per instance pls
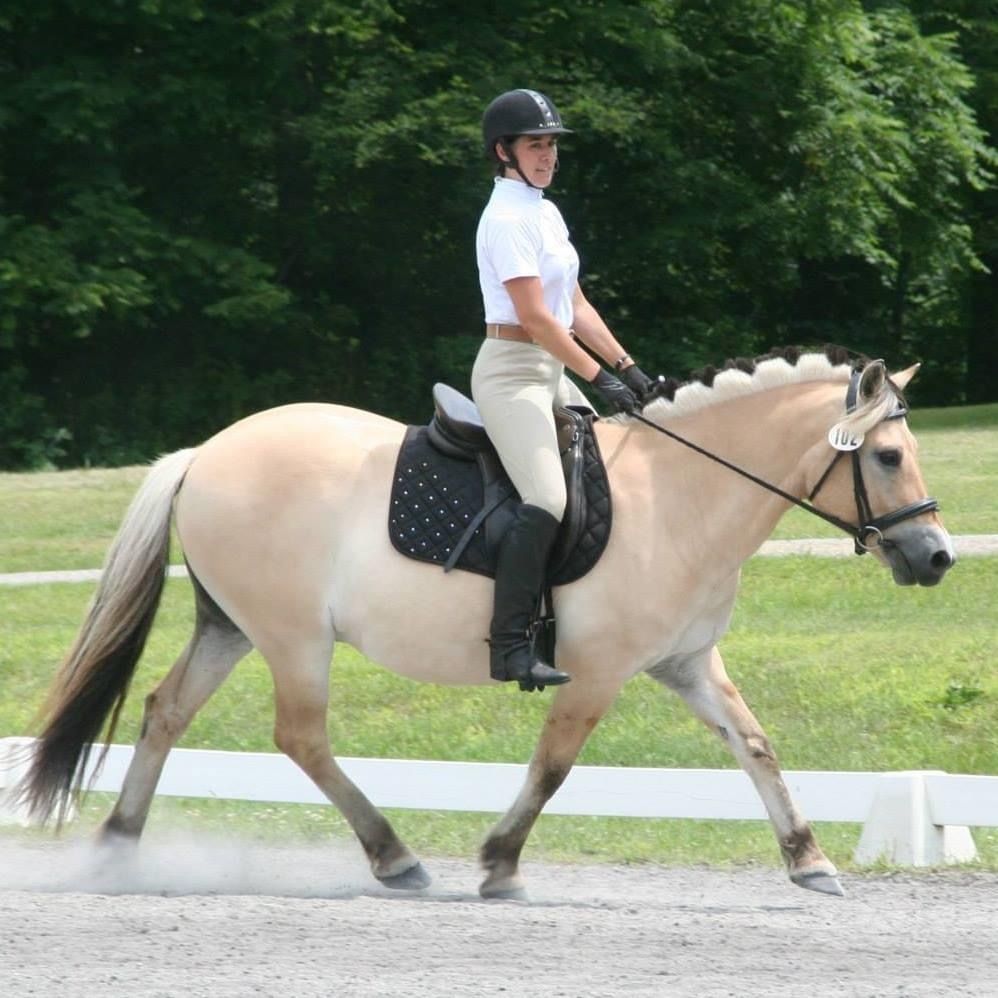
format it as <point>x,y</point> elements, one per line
<point>637,380</point>
<point>614,392</point>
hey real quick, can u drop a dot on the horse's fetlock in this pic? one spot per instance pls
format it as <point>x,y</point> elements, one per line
<point>500,850</point>
<point>798,845</point>
<point>490,854</point>
<point>116,830</point>
<point>391,862</point>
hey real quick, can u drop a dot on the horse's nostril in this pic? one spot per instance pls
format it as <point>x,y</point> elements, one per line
<point>941,560</point>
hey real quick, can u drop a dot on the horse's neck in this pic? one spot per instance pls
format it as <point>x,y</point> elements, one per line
<point>713,507</point>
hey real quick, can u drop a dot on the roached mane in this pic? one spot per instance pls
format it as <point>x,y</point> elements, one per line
<point>781,366</point>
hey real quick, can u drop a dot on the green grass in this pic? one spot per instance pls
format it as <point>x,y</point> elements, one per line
<point>844,670</point>
<point>62,519</point>
<point>970,417</point>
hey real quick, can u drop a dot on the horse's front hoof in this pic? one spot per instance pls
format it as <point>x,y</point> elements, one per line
<point>823,883</point>
<point>413,879</point>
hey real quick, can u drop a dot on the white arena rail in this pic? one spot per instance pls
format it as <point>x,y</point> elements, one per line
<point>911,819</point>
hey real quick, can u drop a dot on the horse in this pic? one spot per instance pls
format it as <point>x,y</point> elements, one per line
<point>282,517</point>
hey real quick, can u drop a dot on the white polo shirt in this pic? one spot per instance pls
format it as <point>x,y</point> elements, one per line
<point>520,234</point>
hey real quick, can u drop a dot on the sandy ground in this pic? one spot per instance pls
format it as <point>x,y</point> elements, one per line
<point>228,920</point>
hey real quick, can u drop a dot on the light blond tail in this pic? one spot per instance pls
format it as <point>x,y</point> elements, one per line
<point>93,680</point>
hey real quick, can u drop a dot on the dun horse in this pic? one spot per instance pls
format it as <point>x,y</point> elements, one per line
<point>283,522</point>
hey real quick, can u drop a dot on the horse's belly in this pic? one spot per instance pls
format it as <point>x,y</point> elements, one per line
<point>410,616</point>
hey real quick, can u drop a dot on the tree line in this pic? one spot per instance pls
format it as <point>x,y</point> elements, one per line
<point>208,208</point>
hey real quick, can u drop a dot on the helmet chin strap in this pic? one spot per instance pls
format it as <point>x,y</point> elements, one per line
<point>524,177</point>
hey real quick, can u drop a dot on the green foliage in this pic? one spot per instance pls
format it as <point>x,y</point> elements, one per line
<point>210,208</point>
<point>974,26</point>
<point>27,438</point>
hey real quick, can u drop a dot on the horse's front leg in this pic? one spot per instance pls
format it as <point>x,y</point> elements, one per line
<point>575,711</point>
<point>702,681</point>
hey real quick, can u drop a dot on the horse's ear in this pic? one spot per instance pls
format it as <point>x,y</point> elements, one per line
<point>902,378</point>
<point>871,382</point>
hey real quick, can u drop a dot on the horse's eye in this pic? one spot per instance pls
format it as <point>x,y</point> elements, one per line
<point>890,458</point>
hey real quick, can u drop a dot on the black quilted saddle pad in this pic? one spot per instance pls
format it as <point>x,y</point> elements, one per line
<point>436,499</point>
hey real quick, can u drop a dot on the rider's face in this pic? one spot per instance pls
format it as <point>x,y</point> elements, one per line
<point>537,156</point>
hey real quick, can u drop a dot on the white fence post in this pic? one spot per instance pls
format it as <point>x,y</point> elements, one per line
<point>899,828</point>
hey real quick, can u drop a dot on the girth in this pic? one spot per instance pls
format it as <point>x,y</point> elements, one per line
<point>452,500</point>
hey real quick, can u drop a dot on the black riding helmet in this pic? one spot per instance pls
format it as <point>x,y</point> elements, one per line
<point>518,112</point>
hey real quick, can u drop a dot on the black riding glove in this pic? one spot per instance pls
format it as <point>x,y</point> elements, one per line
<point>637,381</point>
<point>614,392</point>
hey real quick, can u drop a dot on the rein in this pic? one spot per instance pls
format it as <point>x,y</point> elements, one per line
<point>869,533</point>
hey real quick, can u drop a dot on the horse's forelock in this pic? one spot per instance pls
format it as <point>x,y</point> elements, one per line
<point>873,411</point>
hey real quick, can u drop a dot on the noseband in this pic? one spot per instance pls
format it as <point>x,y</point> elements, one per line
<point>869,533</point>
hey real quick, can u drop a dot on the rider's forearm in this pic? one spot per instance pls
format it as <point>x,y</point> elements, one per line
<point>546,331</point>
<point>590,328</point>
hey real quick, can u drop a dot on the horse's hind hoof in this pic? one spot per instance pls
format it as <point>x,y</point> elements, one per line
<point>413,879</point>
<point>503,888</point>
<point>113,841</point>
<point>823,883</point>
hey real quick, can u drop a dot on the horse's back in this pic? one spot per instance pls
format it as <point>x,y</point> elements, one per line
<point>319,436</point>
<point>316,423</point>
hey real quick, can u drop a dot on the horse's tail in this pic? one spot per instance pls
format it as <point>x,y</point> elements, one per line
<point>93,679</point>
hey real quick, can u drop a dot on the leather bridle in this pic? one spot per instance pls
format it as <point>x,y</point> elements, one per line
<point>868,534</point>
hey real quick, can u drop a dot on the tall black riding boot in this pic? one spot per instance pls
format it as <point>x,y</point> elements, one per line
<point>523,555</point>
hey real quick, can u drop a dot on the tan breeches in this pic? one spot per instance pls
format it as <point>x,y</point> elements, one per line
<point>516,387</point>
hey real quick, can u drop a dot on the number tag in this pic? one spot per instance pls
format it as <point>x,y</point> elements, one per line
<point>842,439</point>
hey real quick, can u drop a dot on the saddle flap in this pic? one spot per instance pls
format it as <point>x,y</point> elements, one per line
<point>571,426</point>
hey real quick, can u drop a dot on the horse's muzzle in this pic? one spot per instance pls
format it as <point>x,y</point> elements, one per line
<point>918,555</point>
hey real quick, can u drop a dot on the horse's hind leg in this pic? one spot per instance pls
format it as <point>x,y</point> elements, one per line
<point>703,683</point>
<point>214,649</point>
<point>300,668</point>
